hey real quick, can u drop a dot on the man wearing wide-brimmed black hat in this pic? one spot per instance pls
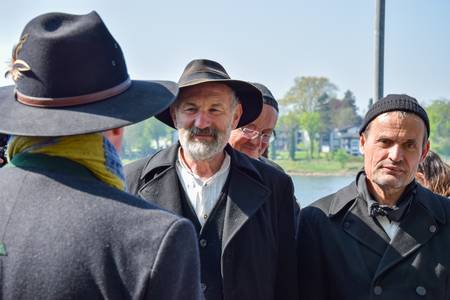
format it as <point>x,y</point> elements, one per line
<point>384,236</point>
<point>67,228</point>
<point>242,208</point>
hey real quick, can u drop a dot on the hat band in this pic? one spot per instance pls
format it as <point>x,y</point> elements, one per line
<point>71,101</point>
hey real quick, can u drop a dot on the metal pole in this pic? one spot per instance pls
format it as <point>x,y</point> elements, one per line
<point>379,50</point>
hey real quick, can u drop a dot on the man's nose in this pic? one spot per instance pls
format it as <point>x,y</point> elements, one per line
<point>202,120</point>
<point>396,153</point>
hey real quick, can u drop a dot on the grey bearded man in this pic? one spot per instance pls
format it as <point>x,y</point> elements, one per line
<point>384,236</point>
<point>67,228</point>
<point>242,208</point>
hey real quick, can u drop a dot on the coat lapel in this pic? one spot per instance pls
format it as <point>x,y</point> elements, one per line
<point>420,224</point>
<point>356,222</point>
<point>246,194</point>
<point>363,228</point>
<point>162,187</point>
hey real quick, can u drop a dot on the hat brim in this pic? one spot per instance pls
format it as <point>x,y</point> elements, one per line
<point>142,100</point>
<point>249,97</point>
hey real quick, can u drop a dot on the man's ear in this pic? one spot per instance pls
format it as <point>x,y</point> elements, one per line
<point>362,143</point>
<point>237,115</point>
<point>173,115</point>
<point>425,151</point>
<point>420,177</point>
<point>117,131</point>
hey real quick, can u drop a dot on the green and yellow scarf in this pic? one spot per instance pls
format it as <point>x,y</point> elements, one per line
<point>93,151</point>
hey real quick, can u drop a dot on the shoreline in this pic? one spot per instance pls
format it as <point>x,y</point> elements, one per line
<point>340,173</point>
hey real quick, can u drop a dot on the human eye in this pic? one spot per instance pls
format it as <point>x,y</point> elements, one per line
<point>384,142</point>
<point>190,109</point>
<point>411,145</point>
<point>266,137</point>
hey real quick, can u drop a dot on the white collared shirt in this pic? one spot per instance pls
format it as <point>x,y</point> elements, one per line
<point>203,195</point>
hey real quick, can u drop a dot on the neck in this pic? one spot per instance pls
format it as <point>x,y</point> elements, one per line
<point>386,196</point>
<point>203,168</point>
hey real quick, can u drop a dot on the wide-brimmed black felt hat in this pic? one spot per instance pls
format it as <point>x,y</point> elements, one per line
<point>201,71</point>
<point>71,78</point>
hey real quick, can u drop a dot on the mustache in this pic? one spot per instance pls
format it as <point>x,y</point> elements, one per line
<point>203,131</point>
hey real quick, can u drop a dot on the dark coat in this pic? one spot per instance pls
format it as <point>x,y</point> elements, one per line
<point>66,235</point>
<point>343,254</point>
<point>258,247</point>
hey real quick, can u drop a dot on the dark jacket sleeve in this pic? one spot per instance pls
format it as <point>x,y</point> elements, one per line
<point>311,273</point>
<point>176,271</point>
<point>286,285</point>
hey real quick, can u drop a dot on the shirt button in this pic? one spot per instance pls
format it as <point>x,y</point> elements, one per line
<point>203,286</point>
<point>203,243</point>
<point>205,216</point>
<point>377,290</point>
<point>432,228</point>
<point>421,291</point>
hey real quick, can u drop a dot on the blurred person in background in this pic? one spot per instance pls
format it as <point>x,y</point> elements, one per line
<point>434,174</point>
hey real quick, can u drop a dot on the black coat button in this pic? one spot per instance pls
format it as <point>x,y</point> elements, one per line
<point>432,228</point>
<point>203,243</point>
<point>203,286</point>
<point>377,290</point>
<point>421,291</point>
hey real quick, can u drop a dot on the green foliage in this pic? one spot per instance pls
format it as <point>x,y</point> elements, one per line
<point>273,150</point>
<point>439,114</point>
<point>342,157</point>
<point>305,94</point>
<point>310,121</point>
<point>318,165</point>
<point>145,137</point>
<point>292,143</point>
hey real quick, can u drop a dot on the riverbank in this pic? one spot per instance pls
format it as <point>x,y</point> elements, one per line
<point>320,167</point>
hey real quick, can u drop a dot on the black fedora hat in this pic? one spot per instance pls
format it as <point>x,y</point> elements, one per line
<point>71,78</point>
<point>201,71</point>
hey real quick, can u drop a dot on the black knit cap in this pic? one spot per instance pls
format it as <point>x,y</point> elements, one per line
<point>268,98</point>
<point>395,102</point>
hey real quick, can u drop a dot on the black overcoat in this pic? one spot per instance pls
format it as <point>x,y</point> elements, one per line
<point>258,247</point>
<point>344,254</point>
<point>66,235</point>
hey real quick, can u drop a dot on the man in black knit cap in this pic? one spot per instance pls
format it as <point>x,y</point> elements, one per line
<point>383,236</point>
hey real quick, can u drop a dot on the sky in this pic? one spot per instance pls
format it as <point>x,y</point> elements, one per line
<point>271,42</point>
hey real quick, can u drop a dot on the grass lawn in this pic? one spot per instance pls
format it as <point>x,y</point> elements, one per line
<point>318,166</point>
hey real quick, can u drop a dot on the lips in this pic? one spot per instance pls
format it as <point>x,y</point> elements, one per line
<point>393,169</point>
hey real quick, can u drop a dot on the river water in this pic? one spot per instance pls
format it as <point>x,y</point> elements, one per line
<point>310,188</point>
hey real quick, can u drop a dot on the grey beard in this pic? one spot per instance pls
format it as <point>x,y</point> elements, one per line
<point>199,150</point>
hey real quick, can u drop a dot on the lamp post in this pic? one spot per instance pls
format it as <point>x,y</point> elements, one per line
<point>379,50</point>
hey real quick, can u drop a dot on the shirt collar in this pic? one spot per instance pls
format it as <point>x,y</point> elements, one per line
<point>223,168</point>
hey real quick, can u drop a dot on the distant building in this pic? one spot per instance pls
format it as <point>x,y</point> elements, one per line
<point>347,139</point>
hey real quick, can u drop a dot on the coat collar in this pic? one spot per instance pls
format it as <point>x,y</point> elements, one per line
<point>342,199</point>
<point>420,224</point>
<point>246,194</point>
<point>427,199</point>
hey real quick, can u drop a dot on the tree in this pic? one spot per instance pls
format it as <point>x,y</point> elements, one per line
<point>439,114</point>
<point>310,121</point>
<point>342,157</point>
<point>305,94</point>
<point>346,113</point>
<point>288,124</point>
<point>144,136</point>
